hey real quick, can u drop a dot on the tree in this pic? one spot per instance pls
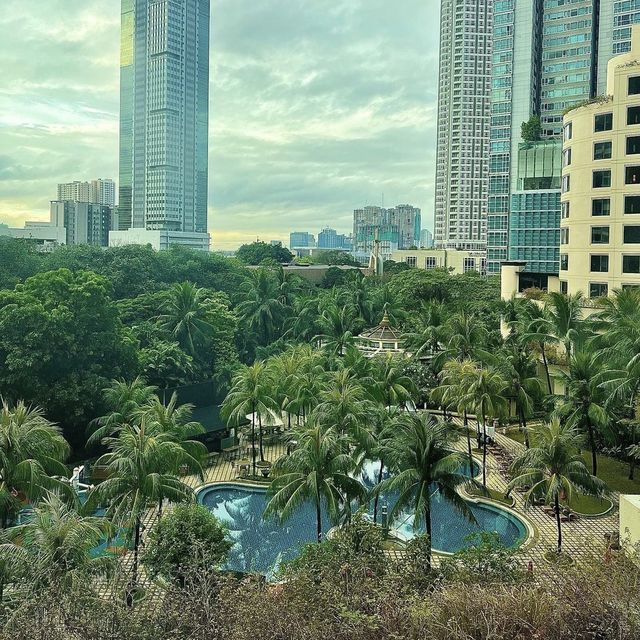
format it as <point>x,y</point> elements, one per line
<point>429,334</point>
<point>531,130</point>
<point>467,339</point>
<point>553,467</point>
<point>391,386</point>
<point>335,257</point>
<point>250,394</point>
<point>257,252</point>
<point>583,406</point>
<point>59,545</point>
<point>423,459</point>
<point>141,464</point>
<point>165,365</point>
<point>338,326</point>
<point>318,471</point>
<point>188,539</point>
<point>32,450</point>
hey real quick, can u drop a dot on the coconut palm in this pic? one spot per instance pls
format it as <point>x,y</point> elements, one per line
<point>338,327</point>
<point>186,316</point>
<point>262,309</point>
<point>430,334</point>
<point>519,370</point>
<point>466,339</point>
<point>554,467</point>
<point>317,471</point>
<point>534,331</point>
<point>58,544</point>
<point>618,322</point>
<point>423,459</point>
<point>583,406</point>
<point>251,394</point>
<point>140,464</point>
<point>391,386</point>
<point>32,450</point>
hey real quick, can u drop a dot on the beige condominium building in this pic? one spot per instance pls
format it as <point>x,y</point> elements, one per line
<point>600,202</point>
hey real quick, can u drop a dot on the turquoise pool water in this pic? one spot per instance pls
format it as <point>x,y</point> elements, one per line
<point>261,545</point>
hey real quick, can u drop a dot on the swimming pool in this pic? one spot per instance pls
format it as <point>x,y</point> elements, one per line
<point>261,545</point>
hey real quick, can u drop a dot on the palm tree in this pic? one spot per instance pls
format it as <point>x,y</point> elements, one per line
<point>391,386</point>
<point>430,333</point>
<point>289,286</point>
<point>186,316</point>
<point>318,471</point>
<point>32,450</point>
<point>524,387</point>
<point>262,310</point>
<point>583,406</point>
<point>338,328</point>
<point>534,331</point>
<point>554,466</point>
<point>467,339</point>
<point>251,394</point>
<point>423,459</point>
<point>58,544</point>
<point>140,464</point>
<point>484,390</point>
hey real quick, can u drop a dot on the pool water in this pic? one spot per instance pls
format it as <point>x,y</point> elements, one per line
<point>262,545</point>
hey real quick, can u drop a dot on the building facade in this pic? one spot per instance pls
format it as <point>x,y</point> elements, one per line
<point>456,261</point>
<point>462,151</point>
<point>426,239</point>
<point>164,111</point>
<point>600,227</point>
<point>85,222</point>
<point>395,228</point>
<point>301,240</point>
<point>329,238</point>
<point>44,235</point>
<point>100,191</point>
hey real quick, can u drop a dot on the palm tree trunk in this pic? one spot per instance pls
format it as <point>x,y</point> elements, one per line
<point>484,451</point>
<point>592,446</point>
<point>375,500</point>
<point>318,519</point>
<point>558,522</point>
<point>466,428</point>
<point>632,459</point>
<point>260,439</point>
<point>546,367</point>
<point>253,439</point>
<point>523,424</point>
<point>427,521</point>
<point>136,549</point>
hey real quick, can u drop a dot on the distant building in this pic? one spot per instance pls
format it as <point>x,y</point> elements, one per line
<point>100,191</point>
<point>330,239</point>
<point>426,239</point>
<point>396,228</point>
<point>44,234</point>
<point>85,222</point>
<point>160,240</point>
<point>275,243</point>
<point>457,261</point>
<point>301,240</point>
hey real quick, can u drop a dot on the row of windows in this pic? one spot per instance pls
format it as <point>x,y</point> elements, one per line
<point>630,264</point>
<point>600,235</point>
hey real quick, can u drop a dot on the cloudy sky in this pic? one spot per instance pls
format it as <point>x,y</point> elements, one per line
<point>317,107</point>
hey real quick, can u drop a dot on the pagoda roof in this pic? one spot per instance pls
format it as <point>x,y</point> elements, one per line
<point>384,331</point>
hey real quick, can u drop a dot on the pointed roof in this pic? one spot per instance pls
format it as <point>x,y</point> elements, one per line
<point>384,331</point>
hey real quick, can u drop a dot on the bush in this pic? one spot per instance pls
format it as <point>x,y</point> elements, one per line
<point>185,540</point>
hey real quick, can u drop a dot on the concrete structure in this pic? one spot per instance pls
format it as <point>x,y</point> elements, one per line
<point>457,261</point>
<point>313,273</point>
<point>100,191</point>
<point>600,228</point>
<point>85,222</point>
<point>462,154</point>
<point>164,110</point>
<point>630,522</point>
<point>44,234</point>
<point>159,239</point>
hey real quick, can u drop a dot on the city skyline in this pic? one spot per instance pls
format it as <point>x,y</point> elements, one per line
<point>303,100</point>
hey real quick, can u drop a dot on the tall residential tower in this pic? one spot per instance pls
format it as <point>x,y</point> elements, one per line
<point>164,111</point>
<point>462,155</point>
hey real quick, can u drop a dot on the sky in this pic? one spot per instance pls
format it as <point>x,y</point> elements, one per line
<point>317,107</point>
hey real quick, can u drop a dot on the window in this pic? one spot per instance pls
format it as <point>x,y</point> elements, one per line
<point>632,204</point>
<point>600,264</point>
<point>633,145</point>
<point>631,264</point>
<point>603,122</point>
<point>632,175</point>
<point>430,262</point>
<point>469,264</point>
<point>566,183</point>
<point>602,150</point>
<point>564,207</point>
<point>567,131</point>
<point>634,86</point>
<point>411,261</point>
<point>566,157</point>
<point>598,289</point>
<point>563,287</point>
<point>599,235</point>
<point>564,262</point>
<point>564,236</point>
<point>601,207</point>
<point>602,178</point>
<point>631,234</point>
<point>633,115</point>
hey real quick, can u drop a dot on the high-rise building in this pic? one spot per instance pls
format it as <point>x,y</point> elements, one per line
<point>301,240</point>
<point>547,56</point>
<point>464,91</point>
<point>600,234</point>
<point>164,110</point>
<point>426,239</point>
<point>85,222</point>
<point>396,228</point>
<point>100,191</point>
<point>329,238</point>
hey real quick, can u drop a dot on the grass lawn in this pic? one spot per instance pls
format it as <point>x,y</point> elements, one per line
<point>498,496</point>
<point>588,505</point>
<point>614,472</point>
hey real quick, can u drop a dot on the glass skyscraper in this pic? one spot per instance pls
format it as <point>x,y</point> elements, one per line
<point>164,111</point>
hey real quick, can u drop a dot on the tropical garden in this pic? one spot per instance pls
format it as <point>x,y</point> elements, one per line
<point>94,343</point>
